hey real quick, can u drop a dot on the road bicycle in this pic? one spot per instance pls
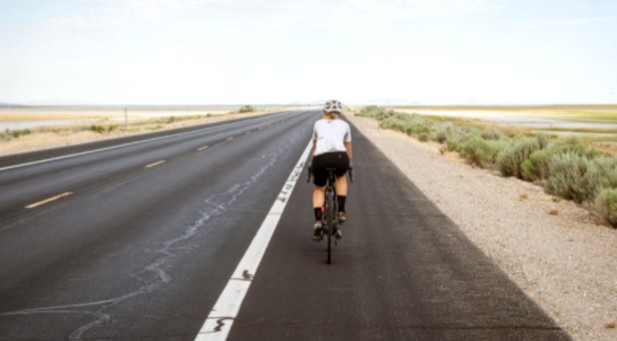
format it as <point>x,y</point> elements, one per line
<point>329,218</point>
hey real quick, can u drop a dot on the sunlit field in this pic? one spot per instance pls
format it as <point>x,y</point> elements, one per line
<point>594,124</point>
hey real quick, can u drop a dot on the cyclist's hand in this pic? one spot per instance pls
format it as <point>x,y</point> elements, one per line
<point>350,167</point>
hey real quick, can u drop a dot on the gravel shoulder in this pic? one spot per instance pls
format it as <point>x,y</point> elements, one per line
<point>553,250</point>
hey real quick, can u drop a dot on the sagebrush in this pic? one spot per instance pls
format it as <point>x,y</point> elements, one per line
<point>565,167</point>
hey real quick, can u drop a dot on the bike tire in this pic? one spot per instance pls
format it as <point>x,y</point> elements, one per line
<point>329,221</point>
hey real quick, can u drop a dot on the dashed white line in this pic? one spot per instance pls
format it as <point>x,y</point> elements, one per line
<point>221,318</point>
<point>31,163</point>
<point>154,164</point>
<point>48,200</point>
<point>202,148</point>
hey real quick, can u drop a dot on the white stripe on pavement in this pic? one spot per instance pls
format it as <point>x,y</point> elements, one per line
<point>221,318</point>
<point>31,163</point>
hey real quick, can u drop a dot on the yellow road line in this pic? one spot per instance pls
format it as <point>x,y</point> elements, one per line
<point>48,200</point>
<point>202,148</point>
<point>158,163</point>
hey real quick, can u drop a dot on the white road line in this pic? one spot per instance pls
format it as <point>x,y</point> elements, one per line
<point>48,200</point>
<point>154,164</point>
<point>202,148</point>
<point>221,318</point>
<point>110,148</point>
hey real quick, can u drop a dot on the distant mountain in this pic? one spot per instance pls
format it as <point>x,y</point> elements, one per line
<point>388,102</point>
<point>9,105</point>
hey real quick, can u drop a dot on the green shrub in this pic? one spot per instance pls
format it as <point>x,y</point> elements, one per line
<point>535,168</point>
<point>438,134</point>
<point>21,132</point>
<point>569,145</point>
<point>247,108</point>
<point>601,173</point>
<point>512,157</point>
<point>481,152</point>
<point>543,140</point>
<point>370,111</point>
<point>456,136</point>
<point>566,172</point>
<point>97,128</point>
<point>493,134</point>
<point>606,205</point>
<point>8,134</point>
<point>423,137</point>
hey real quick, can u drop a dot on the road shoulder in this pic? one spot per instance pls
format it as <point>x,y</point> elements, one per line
<point>554,251</point>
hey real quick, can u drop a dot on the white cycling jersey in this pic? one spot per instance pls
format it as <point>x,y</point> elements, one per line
<point>331,136</point>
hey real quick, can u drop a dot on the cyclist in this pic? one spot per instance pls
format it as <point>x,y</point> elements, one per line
<point>331,149</point>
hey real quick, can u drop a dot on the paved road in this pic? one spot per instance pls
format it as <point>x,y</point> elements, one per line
<point>141,239</point>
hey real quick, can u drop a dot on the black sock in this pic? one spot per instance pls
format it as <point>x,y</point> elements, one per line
<point>341,202</point>
<point>317,213</point>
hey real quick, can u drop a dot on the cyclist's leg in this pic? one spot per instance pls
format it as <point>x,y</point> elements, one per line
<point>341,197</point>
<point>341,185</point>
<point>319,194</point>
<point>318,202</point>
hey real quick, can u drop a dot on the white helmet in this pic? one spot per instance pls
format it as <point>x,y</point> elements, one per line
<point>333,106</point>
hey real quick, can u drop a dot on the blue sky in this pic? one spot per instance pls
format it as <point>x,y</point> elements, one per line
<point>284,51</point>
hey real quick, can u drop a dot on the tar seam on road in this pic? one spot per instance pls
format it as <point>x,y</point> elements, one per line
<point>218,324</point>
<point>48,200</point>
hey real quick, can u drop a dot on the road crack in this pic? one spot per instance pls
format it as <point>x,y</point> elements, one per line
<point>216,205</point>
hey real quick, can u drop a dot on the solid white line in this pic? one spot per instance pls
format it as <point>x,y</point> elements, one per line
<point>48,200</point>
<point>221,318</point>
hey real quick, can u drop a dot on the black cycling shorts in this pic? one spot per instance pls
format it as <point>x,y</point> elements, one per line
<point>338,160</point>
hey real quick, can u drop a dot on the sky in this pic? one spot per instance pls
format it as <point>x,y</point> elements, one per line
<point>428,52</point>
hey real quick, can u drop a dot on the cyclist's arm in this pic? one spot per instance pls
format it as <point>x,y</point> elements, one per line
<point>313,149</point>
<point>348,148</point>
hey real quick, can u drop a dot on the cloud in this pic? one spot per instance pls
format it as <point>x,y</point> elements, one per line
<point>569,22</point>
<point>119,14</point>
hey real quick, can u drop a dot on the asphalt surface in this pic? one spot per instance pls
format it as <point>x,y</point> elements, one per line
<point>141,239</point>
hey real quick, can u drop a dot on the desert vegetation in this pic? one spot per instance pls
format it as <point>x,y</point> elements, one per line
<point>247,108</point>
<point>8,134</point>
<point>564,166</point>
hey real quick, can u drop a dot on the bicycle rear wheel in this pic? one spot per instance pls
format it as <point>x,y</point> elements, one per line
<point>330,222</point>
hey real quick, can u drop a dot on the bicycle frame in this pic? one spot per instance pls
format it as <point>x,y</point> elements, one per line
<point>330,217</point>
